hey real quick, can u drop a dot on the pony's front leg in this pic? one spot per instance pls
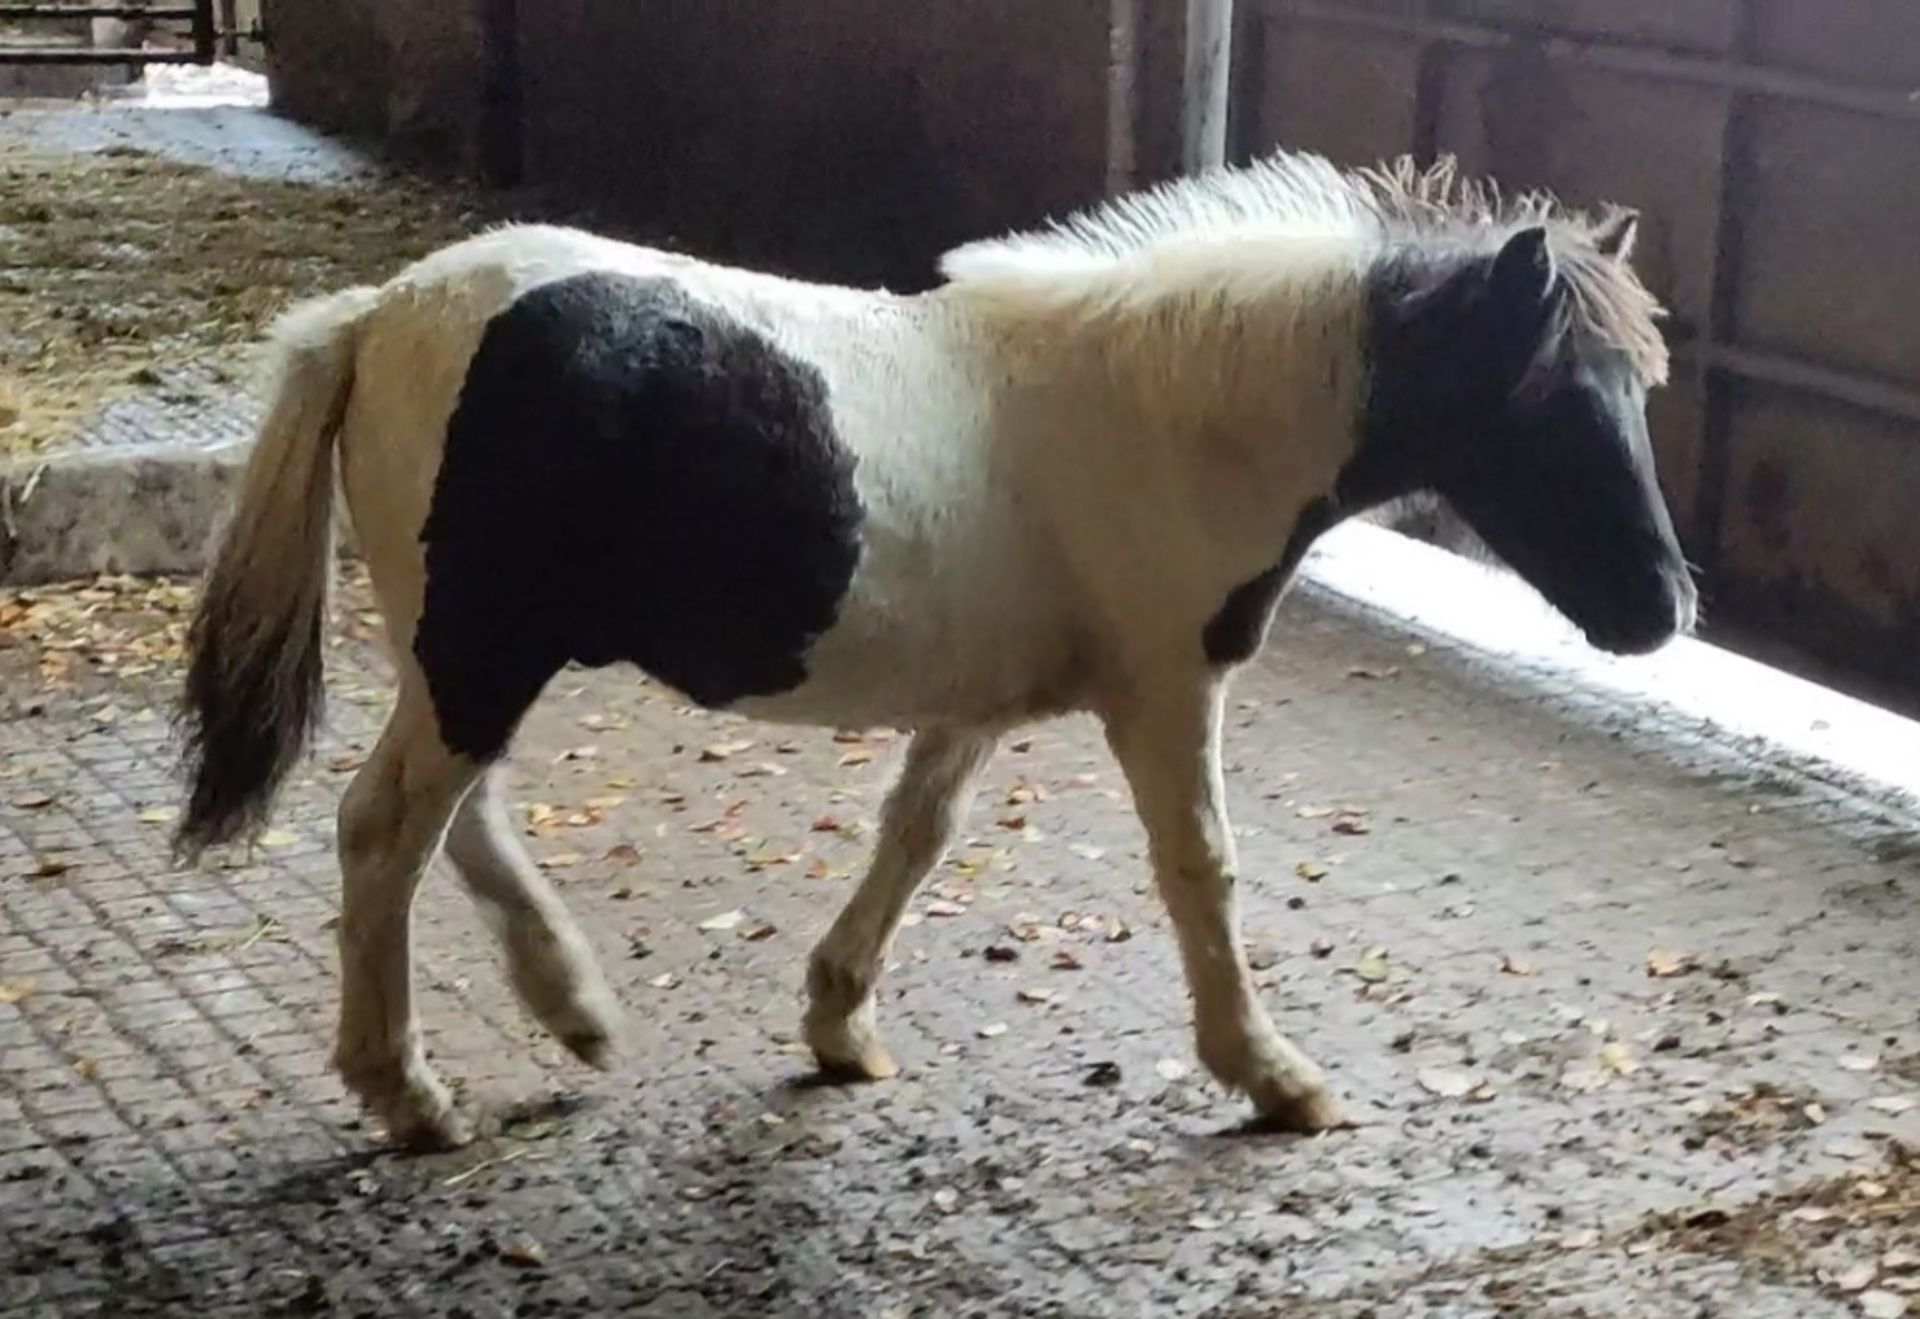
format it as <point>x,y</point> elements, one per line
<point>918,821</point>
<point>1168,745</point>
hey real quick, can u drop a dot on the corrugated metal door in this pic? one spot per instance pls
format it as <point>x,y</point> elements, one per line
<point>1775,148</point>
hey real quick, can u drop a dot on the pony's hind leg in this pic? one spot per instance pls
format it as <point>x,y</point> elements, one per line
<point>550,963</point>
<point>391,821</point>
<point>918,821</point>
<point>1169,748</point>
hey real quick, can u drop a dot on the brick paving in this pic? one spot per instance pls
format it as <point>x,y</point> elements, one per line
<point>1552,1128</point>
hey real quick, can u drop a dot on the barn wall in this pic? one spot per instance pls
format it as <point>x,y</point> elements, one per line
<point>408,71</point>
<point>845,138</point>
<point>833,137</point>
<point>1774,147</point>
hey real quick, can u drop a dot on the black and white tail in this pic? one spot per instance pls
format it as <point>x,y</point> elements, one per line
<point>254,690</point>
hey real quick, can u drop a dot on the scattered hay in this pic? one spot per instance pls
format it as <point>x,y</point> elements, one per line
<point>119,265</point>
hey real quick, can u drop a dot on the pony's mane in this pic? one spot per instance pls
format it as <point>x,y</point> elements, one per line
<point>1289,194</point>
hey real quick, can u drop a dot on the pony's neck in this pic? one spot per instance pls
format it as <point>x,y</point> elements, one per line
<point>1254,343</point>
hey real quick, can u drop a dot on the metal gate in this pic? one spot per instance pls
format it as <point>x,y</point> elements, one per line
<point>1774,146</point>
<point>194,23</point>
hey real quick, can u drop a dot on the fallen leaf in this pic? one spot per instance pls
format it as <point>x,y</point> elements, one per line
<point>47,867</point>
<point>1087,851</point>
<point>12,991</point>
<point>560,860</point>
<point>1615,1058</point>
<point>1664,963</point>
<point>999,952</point>
<point>1859,1062</point>
<point>726,920</point>
<point>759,931</point>
<point>1514,966</point>
<point>666,980</point>
<point>857,757</point>
<point>279,838</point>
<point>33,801</point>
<point>625,853</point>
<point>1034,995</point>
<point>1025,927</point>
<point>724,750</point>
<point>1447,1083</point>
<point>1311,871</point>
<point>1352,823</point>
<point>1118,931</point>
<point>159,814</point>
<point>1102,1075</point>
<point>1065,959</point>
<point>1374,966</point>
<point>1374,675</point>
<point>1170,1069</point>
<point>524,1253</point>
<point>992,1031</point>
<point>1262,956</point>
<point>1315,812</point>
<point>941,907</point>
<point>1895,1104</point>
<point>1856,1277</point>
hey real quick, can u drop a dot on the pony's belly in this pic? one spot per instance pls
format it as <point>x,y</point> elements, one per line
<point>877,670</point>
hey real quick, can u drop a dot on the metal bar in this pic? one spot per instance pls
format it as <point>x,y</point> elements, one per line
<point>501,131</point>
<point>93,55</point>
<point>1203,85</point>
<point>206,38</point>
<point>1723,303</point>
<point>1246,81</point>
<point>1902,104</point>
<point>168,12</point>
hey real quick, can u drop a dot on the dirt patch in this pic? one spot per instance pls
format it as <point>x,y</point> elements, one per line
<point>118,265</point>
<point>1848,1234</point>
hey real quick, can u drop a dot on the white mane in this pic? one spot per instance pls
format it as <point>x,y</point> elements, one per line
<point>1237,231</point>
<point>1284,196</point>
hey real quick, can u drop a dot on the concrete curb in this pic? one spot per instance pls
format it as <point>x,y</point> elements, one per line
<point>117,510</point>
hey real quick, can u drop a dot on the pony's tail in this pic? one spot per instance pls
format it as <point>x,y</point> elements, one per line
<point>254,689</point>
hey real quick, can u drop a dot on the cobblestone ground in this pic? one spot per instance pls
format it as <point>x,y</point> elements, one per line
<point>1630,1015</point>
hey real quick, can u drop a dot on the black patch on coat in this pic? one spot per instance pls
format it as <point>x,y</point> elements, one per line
<point>1234,634</point>
<point>629,475</point>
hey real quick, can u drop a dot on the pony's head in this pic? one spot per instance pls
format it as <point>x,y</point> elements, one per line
<point>1510,379</point>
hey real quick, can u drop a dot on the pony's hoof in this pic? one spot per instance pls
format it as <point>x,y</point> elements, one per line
<point>429,1131</point>
<point>1306,1113</point>
<point>597,1048</point>
<point>872,1063</point>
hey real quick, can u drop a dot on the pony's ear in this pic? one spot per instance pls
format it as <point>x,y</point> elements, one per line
<point>1523,296</point>
<point>1617,236</point>
<point>1522,275</point>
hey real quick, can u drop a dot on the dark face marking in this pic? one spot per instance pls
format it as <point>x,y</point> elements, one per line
<point>1482,396</point>
<point>629,475</point>
<point>1478,397</point>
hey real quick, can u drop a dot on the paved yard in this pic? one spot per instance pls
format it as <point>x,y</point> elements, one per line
<point>1630,1015</point>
